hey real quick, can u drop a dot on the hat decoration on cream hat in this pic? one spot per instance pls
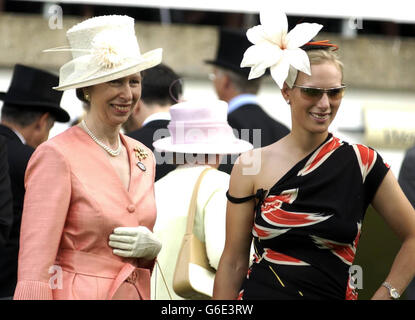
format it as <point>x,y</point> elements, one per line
<point>202,128</point>
<point>103,48</point>
<point>275,48</point>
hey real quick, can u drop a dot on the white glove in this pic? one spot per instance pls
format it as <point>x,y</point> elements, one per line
<point>134,242</point>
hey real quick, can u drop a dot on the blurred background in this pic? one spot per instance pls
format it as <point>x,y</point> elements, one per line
<point>376,43</point>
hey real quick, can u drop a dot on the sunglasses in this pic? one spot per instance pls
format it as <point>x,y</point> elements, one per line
<point>317,93</point>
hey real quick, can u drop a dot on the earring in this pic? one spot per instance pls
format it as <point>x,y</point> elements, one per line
<point>288,101</point>
<point>86,96</point>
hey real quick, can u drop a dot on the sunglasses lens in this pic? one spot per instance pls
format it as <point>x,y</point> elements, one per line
<point>312,92</point>
<point>317,93</point>
<point>336,93</point>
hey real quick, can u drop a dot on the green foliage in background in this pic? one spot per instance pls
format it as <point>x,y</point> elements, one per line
<point>376,251</point>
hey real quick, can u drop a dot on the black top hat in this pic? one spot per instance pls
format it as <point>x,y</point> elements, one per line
<point>31,88</point>
<point>231,49</point>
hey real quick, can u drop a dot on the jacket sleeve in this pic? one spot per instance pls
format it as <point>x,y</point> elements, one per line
<point>142,263</point>
<point>215,215</point>
<point>215,227</point>
<point>47,198</point>
<point>6,201</point>
<point>407,176</point>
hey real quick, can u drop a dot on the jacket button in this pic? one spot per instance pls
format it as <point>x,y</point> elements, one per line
<point>131,208</point>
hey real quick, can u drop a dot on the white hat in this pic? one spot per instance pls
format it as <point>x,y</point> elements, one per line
<point>202,128</point>
<point>103,48</point>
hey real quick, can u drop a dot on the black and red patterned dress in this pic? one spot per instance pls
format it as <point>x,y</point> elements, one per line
<point>308,224</point>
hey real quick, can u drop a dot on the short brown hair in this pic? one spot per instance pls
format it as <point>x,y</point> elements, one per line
<point>81,95</point>
<point>241,83</point>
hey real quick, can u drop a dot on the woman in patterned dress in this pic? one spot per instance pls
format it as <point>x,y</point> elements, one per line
<point>305,204</point>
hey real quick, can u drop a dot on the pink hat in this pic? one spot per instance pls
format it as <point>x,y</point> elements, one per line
<point>201,128</point>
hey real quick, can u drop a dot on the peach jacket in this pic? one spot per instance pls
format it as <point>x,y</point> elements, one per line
<point>74,200</point>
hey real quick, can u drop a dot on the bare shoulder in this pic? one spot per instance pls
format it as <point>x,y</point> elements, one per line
<point>257,168</point>
<point>243,173</point>
<point>275,161</point>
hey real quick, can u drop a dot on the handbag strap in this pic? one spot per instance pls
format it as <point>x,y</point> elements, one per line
<point>164,281</point>
<point>193,202</point>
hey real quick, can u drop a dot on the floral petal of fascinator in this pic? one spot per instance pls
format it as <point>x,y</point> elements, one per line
<point>276,49</point>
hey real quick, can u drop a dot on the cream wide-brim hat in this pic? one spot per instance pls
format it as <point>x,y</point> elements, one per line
<point>201,127</point>
<point>103,48</point>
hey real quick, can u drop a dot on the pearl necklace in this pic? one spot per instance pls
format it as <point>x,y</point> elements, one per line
<point>111,152</point>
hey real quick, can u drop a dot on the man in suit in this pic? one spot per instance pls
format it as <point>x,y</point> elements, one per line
<point>6,200</point>
<point>30,108</point>
<point>161,88</point>
<point>407,182</point>
<point>231,84</point>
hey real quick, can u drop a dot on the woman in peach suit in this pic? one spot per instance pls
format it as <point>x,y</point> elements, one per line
<point>89,207</point>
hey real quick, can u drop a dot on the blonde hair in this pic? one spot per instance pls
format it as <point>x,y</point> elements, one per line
<point>320,56</point>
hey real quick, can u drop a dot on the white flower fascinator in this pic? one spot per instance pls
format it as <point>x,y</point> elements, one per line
<point>278,50</point>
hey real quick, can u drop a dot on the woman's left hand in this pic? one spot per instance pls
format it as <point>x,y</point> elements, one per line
<point>134,242</point>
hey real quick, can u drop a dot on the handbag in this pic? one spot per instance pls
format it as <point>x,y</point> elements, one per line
<point>193,276</point>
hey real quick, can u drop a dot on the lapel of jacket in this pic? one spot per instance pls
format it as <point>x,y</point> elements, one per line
<point>9,133</point>
<point>139,178</point>
<point>95,160</point>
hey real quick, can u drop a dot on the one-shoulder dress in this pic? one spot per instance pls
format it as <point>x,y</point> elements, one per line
<point>307,226</point>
